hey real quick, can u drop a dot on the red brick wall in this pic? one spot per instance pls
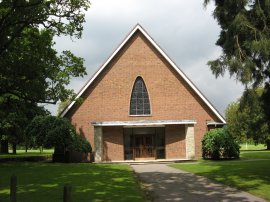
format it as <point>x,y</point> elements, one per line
<point>175,146</point>
<point>107,99</point>
<point>113,148</point>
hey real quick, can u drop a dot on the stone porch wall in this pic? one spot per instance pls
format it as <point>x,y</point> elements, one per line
<point>190,142</point>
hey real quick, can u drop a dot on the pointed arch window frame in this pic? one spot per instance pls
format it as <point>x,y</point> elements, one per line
<point>140,99</point>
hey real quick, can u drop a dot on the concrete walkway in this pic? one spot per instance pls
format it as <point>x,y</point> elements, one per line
<point>169,184</point>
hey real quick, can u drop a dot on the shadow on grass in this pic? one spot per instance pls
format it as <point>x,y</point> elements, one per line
<point>250,176</point>
<point>90,182</point>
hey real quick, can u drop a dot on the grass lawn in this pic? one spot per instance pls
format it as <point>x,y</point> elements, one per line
<point>264,154</point>
<point>90,182</point>
<point>251,176</point>
<point>244,147</point>
<point>22,153</point>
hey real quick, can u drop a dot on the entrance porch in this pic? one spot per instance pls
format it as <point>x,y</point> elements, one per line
<point>144,140</point>
<point>144,143</point>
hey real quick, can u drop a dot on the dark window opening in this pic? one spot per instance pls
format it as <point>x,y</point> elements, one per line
<point>139,102</point>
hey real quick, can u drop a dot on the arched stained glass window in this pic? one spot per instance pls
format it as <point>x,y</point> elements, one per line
<point>139,102</point>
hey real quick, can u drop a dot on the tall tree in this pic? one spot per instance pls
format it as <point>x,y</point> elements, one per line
<point>246,118</point>
<point>245,41</point>
<point>15,114</point>
<point>33,71</point>
<point>59,16</point>
<point>236,124</point>
<point>27,59</point>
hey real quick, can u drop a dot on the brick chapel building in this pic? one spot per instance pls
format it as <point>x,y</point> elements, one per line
<point>140,106</point>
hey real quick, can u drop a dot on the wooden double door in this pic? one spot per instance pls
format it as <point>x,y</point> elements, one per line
<point>144,146</point>
<point>144,143</point>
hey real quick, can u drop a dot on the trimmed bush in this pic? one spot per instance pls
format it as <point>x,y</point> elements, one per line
<point>80,144</point>
<point>49,131</point>
<point>218,143</point>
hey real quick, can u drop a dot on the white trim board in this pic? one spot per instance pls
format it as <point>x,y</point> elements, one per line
<point>144,123</point>
<point>139,28</point>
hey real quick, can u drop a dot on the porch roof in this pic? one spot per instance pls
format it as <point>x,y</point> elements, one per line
<point>143,123</point>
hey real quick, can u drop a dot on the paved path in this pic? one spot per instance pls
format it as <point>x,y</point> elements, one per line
<point>169,184</point>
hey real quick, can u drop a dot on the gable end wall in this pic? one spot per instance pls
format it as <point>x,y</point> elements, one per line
<point>171,98</point>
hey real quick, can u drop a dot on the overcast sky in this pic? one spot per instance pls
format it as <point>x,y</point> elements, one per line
<point>185,30</point>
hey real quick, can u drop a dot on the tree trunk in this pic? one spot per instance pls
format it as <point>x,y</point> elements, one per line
<point>4,147</point>
<point>268,144</point>
<point>14,148</point>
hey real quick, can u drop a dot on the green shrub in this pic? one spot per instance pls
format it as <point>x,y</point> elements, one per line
<point>49,131</point>
<point>218,143</point>
<point>80,144</point>
<point>57,132</point>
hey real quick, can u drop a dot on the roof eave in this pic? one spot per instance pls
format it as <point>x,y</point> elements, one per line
<point>144,123</point>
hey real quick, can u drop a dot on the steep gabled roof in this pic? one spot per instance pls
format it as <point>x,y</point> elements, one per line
<point>178,70</point>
